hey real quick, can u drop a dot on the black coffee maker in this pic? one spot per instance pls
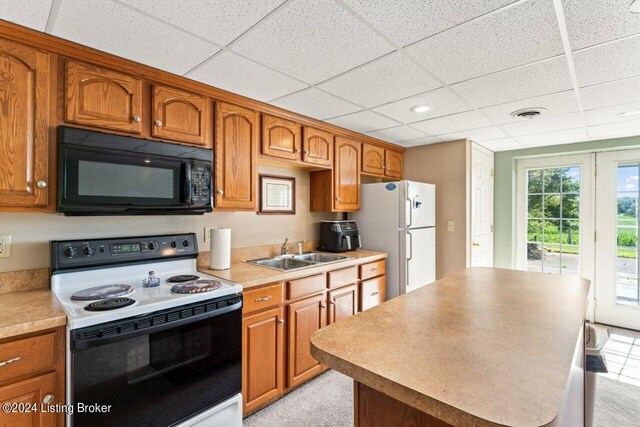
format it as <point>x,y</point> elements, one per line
<point>339,236</point>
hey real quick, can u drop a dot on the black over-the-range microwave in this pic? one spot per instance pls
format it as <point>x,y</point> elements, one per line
<point>103,174</point>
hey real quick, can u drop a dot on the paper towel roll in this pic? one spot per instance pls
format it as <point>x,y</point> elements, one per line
<point>220,248</point>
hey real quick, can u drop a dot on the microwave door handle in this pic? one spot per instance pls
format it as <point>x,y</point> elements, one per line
<point>187,184</point>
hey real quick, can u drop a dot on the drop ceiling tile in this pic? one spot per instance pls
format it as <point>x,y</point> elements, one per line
<point>502,144</point>
<point>608,94</point>
<point>407,21</point>
<point>481,134</point>
<point>612,114</point>
<point>220,21</point>
<point>236,74</point>
<point>398,133</point>
<point>113,28</point>
<point>613,130</point>
<point>495,42</point>
<point>312,40</point>
<point>33,14</point>
<point>441,102</point>
<point>363,121</point>
<point>544,124</point>
<point>427,140</point>
<point>591,22</point>
<point>554,138</point>
<point>608,62</point>
<point>453,123</point>
<point>384,80</point>
<point>315,103</point>
<point>529,81</point>
<point>556,103</point>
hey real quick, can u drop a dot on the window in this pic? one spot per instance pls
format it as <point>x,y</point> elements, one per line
<point>627,275</point>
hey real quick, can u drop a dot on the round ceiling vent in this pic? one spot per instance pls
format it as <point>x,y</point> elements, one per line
<point>528,113</point>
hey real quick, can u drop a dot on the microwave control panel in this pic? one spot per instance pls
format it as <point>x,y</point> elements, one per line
<point>200,184</point>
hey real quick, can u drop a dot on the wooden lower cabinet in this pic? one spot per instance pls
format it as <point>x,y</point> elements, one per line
<point>305,317</point>
<point>30,393</point>
<point>263,358</point>
<point>372,292</point>
<point>343,303</point>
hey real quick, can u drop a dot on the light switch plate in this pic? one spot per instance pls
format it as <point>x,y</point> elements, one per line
<point>451,225</point>
<point>5,246</point>
<point>207,234</point>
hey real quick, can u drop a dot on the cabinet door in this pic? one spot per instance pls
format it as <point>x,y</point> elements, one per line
<point>280,138</point>
<point>393,163</point>
<point>103,98</point>
<point>180,116</point>
<point>346,178</point>
<point>372,159</point>
<point>24,125</point>
<point>305,317</point>
<point>343,303</point>
<point>317,147</point>
<point>262,358</point>
<point>236,152</point>
<point>34,391</point>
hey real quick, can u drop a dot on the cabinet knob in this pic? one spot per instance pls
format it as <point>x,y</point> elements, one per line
<point>295,150</point>
<point>332,302</point>
<point>373,294</point>
<point>41,184</point>
<point>136,118</point>
<point>158,122</point>
<point>323,306</point>
<point>220,192</point>
<point>476,244</point>
<point>306,151</point>
<point>337,199</point>
<point>48,399</point>
<point>281,321</point>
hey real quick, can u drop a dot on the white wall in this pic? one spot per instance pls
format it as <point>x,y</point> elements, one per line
<point>31,232</point>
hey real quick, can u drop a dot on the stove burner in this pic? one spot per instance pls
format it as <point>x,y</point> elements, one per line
<point>109,304</point>
<point>102,292</point>
<point>182,278</point>
<point>196,287</point>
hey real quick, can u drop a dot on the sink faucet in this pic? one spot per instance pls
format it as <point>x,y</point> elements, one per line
<point>284,249</point>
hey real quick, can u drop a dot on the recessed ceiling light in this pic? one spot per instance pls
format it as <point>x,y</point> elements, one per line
<point>420,108</point>
<point>630,113</point>
<point>635,6</point>
<point>528,113</point>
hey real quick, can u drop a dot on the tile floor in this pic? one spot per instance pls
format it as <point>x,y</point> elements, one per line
<point>622,354</point>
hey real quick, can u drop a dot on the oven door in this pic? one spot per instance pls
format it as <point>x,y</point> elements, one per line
<point>158,369</point>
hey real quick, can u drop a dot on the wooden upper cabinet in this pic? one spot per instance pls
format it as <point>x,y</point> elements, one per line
<point>373,161</point>
<point>102,98</point>
<point>24,125</point>
<point>393,162</point>
<point>236,152</point>
<point>346,170</point>
<point>317,146</point>
<point>281,138</point>
<point>180,116</point>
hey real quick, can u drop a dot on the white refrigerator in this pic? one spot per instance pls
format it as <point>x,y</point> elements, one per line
<point>400,218</point>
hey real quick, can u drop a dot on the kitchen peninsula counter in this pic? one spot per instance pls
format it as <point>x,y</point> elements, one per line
<point>484,346</point>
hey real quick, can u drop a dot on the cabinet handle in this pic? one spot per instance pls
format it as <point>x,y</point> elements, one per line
<point>136,118</point>
<point>373,294</point>
<point>281,321</point>
<point>476,244</point>
<point>41,184</point>
<point>48,399</point>
<point>158,122</point>
<point>295,150</point>
<point>374,269</point>
<point>10,361</point>
<point>332,302</point>
<point>220,192</point>
<point>267,298</point>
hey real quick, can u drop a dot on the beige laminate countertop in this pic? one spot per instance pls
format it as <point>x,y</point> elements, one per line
<point>24,312</point>
<point>483,346</point>
<point>250,275</point>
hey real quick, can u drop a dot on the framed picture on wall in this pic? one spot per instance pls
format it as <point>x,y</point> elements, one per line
<point>277,195</point>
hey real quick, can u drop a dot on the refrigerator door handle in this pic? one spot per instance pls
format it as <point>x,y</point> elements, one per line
<point>410,212</point>
<point>409,257</point>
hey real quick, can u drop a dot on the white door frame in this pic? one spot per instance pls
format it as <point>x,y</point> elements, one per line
<point>587,214</point>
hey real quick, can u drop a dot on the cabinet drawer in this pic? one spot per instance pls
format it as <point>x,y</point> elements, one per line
<point>27,356</point>
<point>345,276</point>
<point>372,269</point>
<point>306,286</point>
<point>372,292</point>
<point>261,298</point>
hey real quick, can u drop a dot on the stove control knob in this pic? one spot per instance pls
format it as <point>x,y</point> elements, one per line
<point>152,246</point>
<point>70,252</point>
<point>88,250</point>
<point>174,244</point>
<point>185,243</point>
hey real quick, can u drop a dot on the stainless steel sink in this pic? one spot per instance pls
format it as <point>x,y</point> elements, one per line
<point>294,262</point>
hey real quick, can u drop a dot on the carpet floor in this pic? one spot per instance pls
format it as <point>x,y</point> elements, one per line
<point>326,401</point>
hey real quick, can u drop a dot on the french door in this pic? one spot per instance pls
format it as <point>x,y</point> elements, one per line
<point>617,273</point>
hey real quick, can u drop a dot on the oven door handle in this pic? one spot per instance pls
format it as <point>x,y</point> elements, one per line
<point>83,344</point>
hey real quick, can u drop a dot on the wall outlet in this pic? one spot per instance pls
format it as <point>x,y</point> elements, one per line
<point>207,234</point>
<point>5,246</point>
<point>451,226</point>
